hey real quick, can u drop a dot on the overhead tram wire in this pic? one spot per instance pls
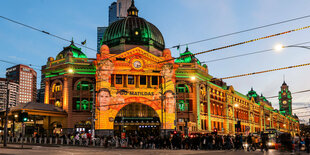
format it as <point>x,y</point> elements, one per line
<point>237,44</point>
<point>247,30</point>
<point>13,63</point>
<point>265,71</point>
<point>246,54</point>
<point>298,92</point>
<point>45,32</point>
<point>300,108</point>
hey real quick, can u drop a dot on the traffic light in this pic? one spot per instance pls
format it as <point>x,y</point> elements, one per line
<point>215,131</point>
<point>23,117</point>
<point>174,132</point>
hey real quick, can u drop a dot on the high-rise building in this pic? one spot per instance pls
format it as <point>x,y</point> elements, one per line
<point>285,100</point>
<point>26,77</point>
<point>122,6</point>
<point>100,33</point>
<point>6,85</point>
<point>40,95</point>
<point>113,13</point>
<point>118,10</point>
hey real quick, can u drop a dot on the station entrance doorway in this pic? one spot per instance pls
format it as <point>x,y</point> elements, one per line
<point>137,119</point>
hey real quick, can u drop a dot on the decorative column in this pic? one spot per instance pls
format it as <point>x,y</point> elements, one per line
<point>47,91</point>
<point>209,110</point>
<point>65,92</point>
<point>198,105</point>
<point>226,115</point>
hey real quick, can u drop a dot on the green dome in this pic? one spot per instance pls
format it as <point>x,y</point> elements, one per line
<point>133,30</point>
<point>76,52</point>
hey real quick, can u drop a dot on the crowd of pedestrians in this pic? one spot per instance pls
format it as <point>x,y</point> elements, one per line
<point>179,141</point>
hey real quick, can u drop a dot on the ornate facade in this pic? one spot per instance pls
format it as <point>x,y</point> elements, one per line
<point>133,85</point>
<point>205,103</point>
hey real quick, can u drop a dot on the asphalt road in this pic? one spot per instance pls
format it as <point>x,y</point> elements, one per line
<point>71,150</point>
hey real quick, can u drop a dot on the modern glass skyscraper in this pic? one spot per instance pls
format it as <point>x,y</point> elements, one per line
<point>117,11</point>
<point>100,32</point>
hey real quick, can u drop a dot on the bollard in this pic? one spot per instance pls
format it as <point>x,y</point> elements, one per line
<point>80,141</point>
<point>15,139</point>
<point>62,141</point>
<point>35,140</point>
<point>30,140</point>
<point>94,142</point>
<point>21,140</point>
<point>87,141</point>
<point>56,141</point>
<point>45,140</point>
<point>101,142</point>
<point>51,140</point>
<point>25,141</point>
<point>73,141</point>
<point>40,140</point>
<point>68,140</point>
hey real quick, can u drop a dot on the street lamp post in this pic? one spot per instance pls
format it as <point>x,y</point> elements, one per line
<point>6,114</point>
<point>279,47</point>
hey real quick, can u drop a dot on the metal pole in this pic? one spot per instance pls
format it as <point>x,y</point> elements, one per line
<point>162,104</point>
<point>93,113</point>
<point>165,107</point>
<point>6,114</point>
<point>23,132</point>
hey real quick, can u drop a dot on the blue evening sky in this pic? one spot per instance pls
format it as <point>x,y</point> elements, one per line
<point>180,21</point>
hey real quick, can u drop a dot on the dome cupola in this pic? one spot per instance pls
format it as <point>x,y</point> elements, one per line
<point>71,49</point>
<point>132,32</point>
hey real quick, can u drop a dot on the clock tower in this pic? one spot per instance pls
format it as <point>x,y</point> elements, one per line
<point>285,100</point>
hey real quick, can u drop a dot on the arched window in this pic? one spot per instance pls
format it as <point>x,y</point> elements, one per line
<point>57,87</point>
<point>182,88</point>
<point>56,93</point>
<point>83,95</point>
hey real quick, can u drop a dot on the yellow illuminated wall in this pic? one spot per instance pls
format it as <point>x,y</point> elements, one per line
<point>110,100</point>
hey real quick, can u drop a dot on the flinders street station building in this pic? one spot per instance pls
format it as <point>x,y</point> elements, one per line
<point>134,86</point>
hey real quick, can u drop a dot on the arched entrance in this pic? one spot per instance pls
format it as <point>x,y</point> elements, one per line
<point>137,119</point>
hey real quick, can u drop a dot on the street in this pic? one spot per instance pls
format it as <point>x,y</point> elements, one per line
<point>64,150</point>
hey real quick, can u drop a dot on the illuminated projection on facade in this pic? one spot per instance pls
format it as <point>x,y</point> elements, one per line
<point>129,88</point>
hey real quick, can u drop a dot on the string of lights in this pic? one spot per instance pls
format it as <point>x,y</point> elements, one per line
<point>300,108</point>
<point>298,92</point>
<point>45,32</point>
<point>265,71</point>
<point>240,43</point>
<point>246,54</point>
<point>304,116</point>
<point>247,30</point>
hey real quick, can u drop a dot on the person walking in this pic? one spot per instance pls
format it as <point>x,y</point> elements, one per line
<point>296,142</point>
<point>307,144</point>
<point>264,138</point>
<point>249,141</point>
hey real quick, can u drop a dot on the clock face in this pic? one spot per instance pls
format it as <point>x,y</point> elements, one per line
<point>284,102</point>
<point>137,64</point>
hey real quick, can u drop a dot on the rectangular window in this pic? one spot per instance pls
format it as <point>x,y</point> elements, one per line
<point>119,79</point>
<point>154,80</point>
<point>142,80</point>
<point>131,79</point>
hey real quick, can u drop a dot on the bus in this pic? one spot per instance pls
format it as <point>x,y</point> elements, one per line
<point>273,135</point>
